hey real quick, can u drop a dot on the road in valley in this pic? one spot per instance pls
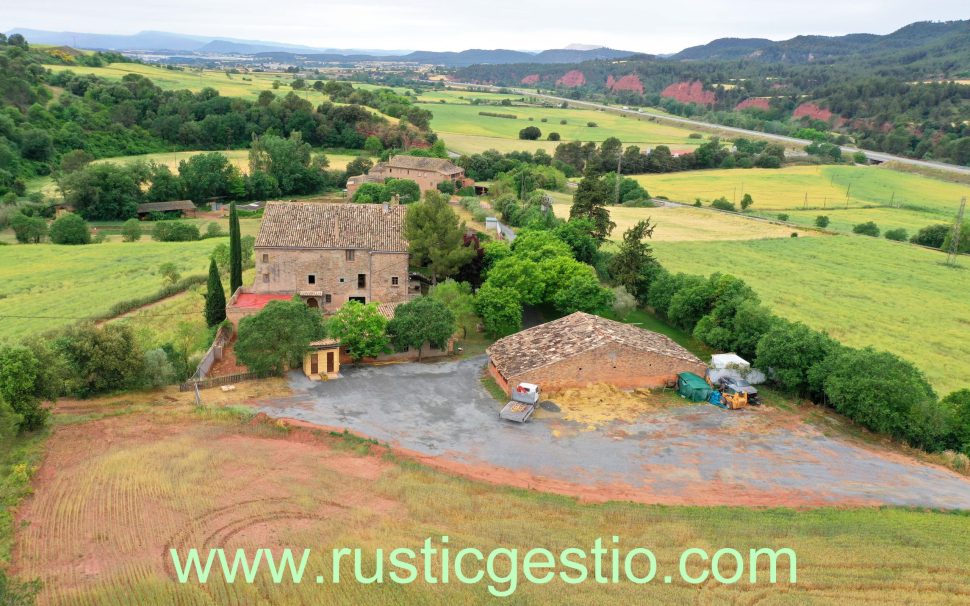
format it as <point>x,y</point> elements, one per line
<point>874,156</point>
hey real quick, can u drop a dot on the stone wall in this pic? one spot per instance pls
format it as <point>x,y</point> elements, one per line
<point>613,364</point>
<point>285,270</point>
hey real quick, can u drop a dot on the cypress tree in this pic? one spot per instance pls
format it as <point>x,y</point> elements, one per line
<point>235,250</point>
<point>215,298</point>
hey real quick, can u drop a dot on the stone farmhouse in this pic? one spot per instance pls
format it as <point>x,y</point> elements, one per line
<point>581,349</point>
<point>327,254</point>
<point>428,173</point>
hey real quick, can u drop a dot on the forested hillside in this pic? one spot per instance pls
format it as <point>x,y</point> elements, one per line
<point>44,116</point>
<point>905,93</point>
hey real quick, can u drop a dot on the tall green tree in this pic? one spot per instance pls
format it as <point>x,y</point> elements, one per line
<point>633,265</point>
<point>458,297</point>
<point>436,236</point>
<point>235,250</point>
<point>422,320</point>
<point>215,297</point>
<point>361,330</point>
<point>589,202</point>
<point>499,309</point>
<point>276,338</point>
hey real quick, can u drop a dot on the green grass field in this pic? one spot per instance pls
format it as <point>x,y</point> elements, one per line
<point>233,85</point>
<point>458,122</point>
<point>53,285</point>
<point>862,291</point>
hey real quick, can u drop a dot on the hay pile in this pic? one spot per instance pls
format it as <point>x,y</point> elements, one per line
<point>601,404</point>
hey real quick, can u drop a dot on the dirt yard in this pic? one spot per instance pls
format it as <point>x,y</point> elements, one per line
<point>669,452</point>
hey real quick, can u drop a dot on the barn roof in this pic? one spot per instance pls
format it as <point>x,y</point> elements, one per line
<point>420,163</point>
<point>332,225</point>
<point>161,207</point>
<point>572,335</point>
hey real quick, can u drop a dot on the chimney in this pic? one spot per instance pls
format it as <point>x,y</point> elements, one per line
<point>395,199</point>
<point>387,208</point>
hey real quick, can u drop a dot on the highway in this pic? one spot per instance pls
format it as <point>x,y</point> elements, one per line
<point>874,156</point>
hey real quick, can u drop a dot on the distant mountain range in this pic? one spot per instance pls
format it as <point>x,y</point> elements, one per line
<point>169,42</point>
<point>807,49</point>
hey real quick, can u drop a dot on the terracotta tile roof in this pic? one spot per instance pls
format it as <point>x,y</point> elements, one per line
<point>418,163</point>
<point>332,225</point>
<point>572,335</point>
<point>387,309</point>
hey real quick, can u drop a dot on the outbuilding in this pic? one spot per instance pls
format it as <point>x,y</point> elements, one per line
<point>582,349</point>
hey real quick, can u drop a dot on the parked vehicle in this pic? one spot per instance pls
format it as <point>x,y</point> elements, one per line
<point>525,399</point>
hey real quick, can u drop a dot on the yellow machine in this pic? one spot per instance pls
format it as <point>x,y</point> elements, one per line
<point>734,399</point>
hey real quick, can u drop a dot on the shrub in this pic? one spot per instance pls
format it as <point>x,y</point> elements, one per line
<point>868,228</point>
<point>563,122</point>
<point>876,389</point>
<point>553,136</point>
<point>28,230</point>
<point>695,136</point>
<point>131,230</point>
<point>723,204</point>
<point>212,230</point>
<point>591,124</point>
<point>497,115</point>
<point>175,231</point>
<point>932,236</point>
<point>447,187</point>
<point>897,235</point>
<point>530,133</point>
<point>783,216</point>
<point>821,221</point>
<point>70,229</point>
<point>159,372</point>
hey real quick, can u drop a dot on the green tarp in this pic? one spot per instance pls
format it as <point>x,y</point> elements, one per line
<point>692,387</point>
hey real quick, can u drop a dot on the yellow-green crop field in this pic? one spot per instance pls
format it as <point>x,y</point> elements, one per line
<point>785,189</point>
<point>125,481</point>
<point>686,223</point>
<point>238,157</point>
<point>52,285</point>
<point>862,291</point>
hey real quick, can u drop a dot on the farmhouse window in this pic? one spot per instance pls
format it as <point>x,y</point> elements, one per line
<point>311,279</point>
<point>394,281</point>
<point>342,280</point>
<point>265,278</point>
<point>265,258</point>
<point>350,255</point>
<point>361,280</point>
<point>326,298</point>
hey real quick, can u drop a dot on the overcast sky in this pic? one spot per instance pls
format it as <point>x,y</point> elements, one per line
<point>637,25</point>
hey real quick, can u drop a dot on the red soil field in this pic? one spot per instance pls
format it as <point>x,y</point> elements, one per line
<point>629,82</point>
<point>530,79</point>
<point>690,92</point>
<point>753,103</point>
<point>572,79</point>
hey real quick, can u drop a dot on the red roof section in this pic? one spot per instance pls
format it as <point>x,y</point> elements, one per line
<point>249,300</point>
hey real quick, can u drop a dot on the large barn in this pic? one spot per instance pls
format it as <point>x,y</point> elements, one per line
<point>581,349</point>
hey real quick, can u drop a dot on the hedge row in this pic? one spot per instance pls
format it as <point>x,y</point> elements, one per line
<point>878,390</point>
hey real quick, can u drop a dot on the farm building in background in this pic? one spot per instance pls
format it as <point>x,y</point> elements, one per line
<point>581,349</point>
<point>180,208</point>
<point>428,173</point>
<point>327,254</point>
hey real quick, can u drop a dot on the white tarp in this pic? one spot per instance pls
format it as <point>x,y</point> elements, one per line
<point>729,360</point>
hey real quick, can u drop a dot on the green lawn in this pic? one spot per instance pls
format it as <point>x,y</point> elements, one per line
<point>862,291</point>
<point>68,282</point>
<point>458,119</point>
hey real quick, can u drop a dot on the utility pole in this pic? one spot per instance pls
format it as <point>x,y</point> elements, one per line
<point>951,257</point>
<point>847,190</point>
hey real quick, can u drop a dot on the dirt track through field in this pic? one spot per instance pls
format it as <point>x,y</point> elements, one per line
<point>691,455</point>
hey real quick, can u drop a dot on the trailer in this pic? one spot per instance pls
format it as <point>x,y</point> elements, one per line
<point>525,400</point>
